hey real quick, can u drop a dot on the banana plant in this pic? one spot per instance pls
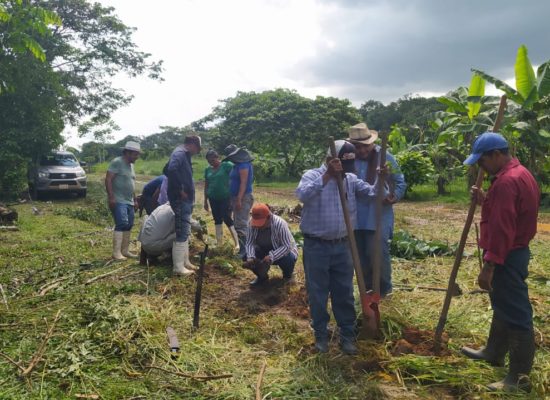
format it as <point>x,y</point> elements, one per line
<point>530,131</point>
<point>469,113</point>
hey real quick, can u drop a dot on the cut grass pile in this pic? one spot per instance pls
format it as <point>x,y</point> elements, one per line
<point>110,339</point>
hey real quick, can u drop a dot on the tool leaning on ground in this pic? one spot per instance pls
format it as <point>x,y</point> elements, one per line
<point>371,315</point>
<point>374,297</point>
<point>462,243</point>
<point>198,292</point>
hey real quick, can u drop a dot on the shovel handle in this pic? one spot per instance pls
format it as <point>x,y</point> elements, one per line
<point>349,227</point>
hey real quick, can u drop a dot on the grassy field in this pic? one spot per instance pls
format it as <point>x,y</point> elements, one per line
<point>109,340</point>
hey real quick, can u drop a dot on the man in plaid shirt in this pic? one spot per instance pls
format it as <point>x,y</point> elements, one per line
<point>327,260</point>
<point>269,242</point>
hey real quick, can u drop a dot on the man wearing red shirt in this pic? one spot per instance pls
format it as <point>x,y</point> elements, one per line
<point>508,223</point>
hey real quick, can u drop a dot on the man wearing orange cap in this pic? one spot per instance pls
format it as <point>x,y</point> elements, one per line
<point>269,241</point>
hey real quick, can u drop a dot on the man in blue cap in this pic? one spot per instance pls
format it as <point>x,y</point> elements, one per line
<point>508,223</point>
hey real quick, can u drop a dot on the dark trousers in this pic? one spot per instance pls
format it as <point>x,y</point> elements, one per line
<point>510,296</point>
<point>366,242</point>
<point>149,204</point>
<point>286,263</point>
<point>221,211</point>
<point>329,272</point>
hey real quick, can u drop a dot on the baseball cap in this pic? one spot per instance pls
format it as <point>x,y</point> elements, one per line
<point>260,213</point>
<point>346,154</point>
<point>486,142</point>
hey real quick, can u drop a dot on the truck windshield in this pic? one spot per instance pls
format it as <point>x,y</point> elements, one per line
<point>65,160</point>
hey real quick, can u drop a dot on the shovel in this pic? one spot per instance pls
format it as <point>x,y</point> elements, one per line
<point>377,253</point>
<point>369,302</point>
<point>462,243</point>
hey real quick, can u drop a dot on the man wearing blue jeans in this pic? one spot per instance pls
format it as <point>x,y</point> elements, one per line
<point>269,242</point>
<point>120,184</point>
<point>367,161</point>
<point>327,260</point>
<point>181,194</point>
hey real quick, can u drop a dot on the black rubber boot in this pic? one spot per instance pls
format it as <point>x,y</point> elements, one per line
<point>496,348</point>
<point>522,354</point>
<point>260,269</point>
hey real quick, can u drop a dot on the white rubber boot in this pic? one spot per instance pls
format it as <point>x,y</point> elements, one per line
<point>186,252</point>
<point>117,244</point>
<point>235,237</point>
<point>126,244</point>
<point>219,235</point>
<point>178,259</point>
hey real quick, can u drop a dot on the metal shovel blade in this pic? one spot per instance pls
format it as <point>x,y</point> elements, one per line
<point>371,314</point>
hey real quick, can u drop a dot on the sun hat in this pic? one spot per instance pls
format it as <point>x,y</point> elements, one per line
<point>485,142</point>
<point>132,146</point>
<point>260,213</point>
<point>360,133</point>
<point>237,155</point>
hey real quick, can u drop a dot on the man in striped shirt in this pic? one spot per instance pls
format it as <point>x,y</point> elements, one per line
<point>327,259</point>
<point>269,241</point>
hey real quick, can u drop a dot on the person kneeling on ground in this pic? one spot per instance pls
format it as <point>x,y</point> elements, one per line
<point>269,241</point>
<point>158,233</point>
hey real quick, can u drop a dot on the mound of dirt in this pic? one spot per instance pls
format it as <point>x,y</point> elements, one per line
<point>419,342</point>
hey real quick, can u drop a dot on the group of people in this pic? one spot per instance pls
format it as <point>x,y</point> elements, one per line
<point>508,223</point>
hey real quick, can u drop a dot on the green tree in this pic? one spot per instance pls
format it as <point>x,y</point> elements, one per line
<point>63,76</point>
<point>282,125</point>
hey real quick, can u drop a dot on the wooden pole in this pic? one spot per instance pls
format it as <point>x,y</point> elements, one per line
<point>198,292</point>
<point>377,253</point>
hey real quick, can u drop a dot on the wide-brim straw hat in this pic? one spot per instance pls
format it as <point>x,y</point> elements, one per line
<point>360,133</point>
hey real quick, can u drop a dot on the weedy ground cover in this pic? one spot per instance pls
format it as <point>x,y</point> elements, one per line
<point>109,339</point>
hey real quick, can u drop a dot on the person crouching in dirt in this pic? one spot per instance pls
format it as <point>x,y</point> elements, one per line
<point>150,195</point>
<point>120,185</point>
<point>508,223</point>
<point>269,242</point>
<point>327,259</point>
<point>158,233</point>
<point>181,195</point>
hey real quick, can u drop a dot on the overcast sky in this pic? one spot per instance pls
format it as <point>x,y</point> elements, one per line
<point>355,49</point>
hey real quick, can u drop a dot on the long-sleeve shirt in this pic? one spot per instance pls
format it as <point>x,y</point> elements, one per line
<point>366,207</point>
<point>322,214</point>
<point>179,172</point>
<point>509,212</point>
<point>281,238</point>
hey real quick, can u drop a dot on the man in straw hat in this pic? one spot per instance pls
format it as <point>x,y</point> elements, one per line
<point>508,223</point>
<point>120,185</point>
<point>367,161</point>
<point>181,195</point>
<point>327,258</point>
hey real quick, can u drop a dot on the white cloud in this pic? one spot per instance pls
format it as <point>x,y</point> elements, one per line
<point>352,49</point>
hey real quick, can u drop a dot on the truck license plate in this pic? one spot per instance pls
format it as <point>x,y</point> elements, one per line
<point>63,186</point>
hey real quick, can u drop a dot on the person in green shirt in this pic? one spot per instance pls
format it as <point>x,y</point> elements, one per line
<point>120,184</point>
<point>216,192</point>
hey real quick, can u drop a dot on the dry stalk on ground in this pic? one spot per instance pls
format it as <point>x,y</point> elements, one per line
<point>40,352</point>
<point>191,376</point>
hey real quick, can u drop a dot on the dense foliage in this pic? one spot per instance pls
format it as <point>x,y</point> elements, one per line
<point>57,61</point>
